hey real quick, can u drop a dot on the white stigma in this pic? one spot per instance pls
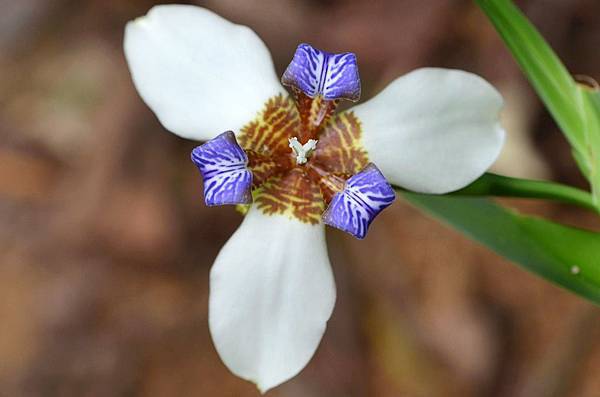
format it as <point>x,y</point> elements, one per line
<point>301,151</point>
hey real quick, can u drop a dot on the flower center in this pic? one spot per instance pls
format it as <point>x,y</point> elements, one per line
<point>337,186</point>
<point>301,151</point>
<point>292,173</point>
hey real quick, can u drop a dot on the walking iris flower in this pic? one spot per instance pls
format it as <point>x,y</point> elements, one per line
<point>296,165</point>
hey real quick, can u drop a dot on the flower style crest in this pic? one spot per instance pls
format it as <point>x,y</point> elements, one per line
<point>316,72</point>
<point>223,165</point>
<point>298,165</point>
<point>365,195</point>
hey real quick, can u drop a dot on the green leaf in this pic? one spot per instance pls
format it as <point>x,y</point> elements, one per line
<point>590,105</point>
<point>567,256</point>
<point>568,102</point>
<point>540,64</point>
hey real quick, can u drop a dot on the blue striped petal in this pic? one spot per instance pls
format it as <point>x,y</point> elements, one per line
<point>223,165</point>
<point>316,72</point>
<point>365,195</point>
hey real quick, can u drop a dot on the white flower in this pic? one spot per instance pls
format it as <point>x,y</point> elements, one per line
<point>271,287</point>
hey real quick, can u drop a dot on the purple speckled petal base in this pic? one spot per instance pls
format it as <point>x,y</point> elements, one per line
<point>223,165</point>
<point>365,195</point>
<point>316,72</point>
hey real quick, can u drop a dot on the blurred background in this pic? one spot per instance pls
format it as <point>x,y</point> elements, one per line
<point>106,245</point>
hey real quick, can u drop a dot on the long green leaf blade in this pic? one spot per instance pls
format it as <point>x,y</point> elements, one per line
<point>543,68</point>
<point>590,103</point>
<point>567,256</point>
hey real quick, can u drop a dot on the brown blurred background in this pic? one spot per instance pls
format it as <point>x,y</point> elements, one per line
<point>106,245</point>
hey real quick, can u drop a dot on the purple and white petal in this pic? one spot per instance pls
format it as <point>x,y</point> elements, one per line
<point>365,195</point>
<point>316,72</point>
<point>223,165</point>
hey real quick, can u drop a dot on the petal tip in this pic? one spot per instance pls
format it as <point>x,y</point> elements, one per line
<point>139,21</point>
<point>262,389</point>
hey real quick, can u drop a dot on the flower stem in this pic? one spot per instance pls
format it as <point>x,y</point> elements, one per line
<point>503,186</point>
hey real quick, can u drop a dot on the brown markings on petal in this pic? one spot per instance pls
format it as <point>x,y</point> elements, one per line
<point>265,139</point>
<point>264,166</point>
<point>281,186</point>
<point>269,132</point>
<point>339,150</point>
<point>293,194</point>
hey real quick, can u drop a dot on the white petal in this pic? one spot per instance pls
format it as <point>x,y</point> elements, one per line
<point>201,74</point>
<point>433,130</point>
<point>271,294</point>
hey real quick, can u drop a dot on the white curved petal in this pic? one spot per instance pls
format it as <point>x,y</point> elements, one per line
<point>199,73</point>
<point>271,294</point>
<point>433,130</point>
